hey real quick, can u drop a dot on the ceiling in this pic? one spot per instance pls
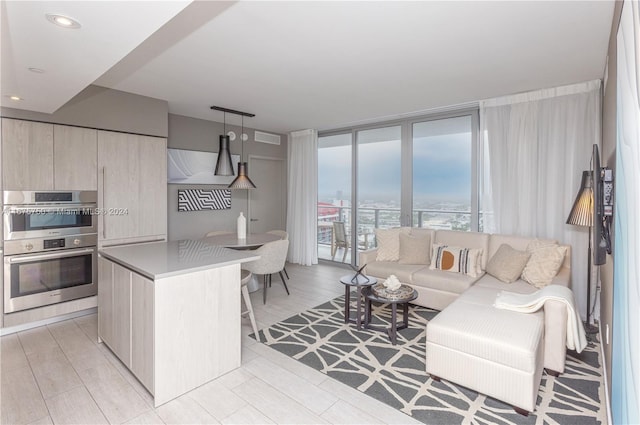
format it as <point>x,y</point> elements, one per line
<point>300,65</point>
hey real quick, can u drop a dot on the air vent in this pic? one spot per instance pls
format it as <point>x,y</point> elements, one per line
<point>272,139</point>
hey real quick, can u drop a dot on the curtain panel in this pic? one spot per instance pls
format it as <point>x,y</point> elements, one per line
<point>302,190</point>
<point>535,147</point>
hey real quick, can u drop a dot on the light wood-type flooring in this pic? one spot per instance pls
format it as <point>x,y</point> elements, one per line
<point>59,374</point>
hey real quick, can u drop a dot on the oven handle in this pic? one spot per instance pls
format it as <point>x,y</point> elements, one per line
<point>17,259</point>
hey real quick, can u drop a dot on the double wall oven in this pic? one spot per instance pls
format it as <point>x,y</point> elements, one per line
<point>50,247</point>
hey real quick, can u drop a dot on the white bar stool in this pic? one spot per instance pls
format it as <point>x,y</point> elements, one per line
<point>245,277</point>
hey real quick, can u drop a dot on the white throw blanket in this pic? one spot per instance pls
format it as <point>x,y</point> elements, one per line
<point>529,303</point>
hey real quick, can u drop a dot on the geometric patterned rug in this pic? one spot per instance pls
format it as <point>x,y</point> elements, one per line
<point>395,375</point>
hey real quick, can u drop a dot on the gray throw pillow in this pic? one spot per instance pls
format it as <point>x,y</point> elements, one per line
<point>507,263</point>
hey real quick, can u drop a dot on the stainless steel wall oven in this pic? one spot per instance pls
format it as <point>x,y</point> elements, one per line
<point>50,252</point>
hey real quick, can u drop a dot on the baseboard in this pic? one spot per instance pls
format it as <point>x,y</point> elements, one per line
<point>37,324</point>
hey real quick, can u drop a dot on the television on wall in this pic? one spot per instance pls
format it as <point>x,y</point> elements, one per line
<point>602,209</point>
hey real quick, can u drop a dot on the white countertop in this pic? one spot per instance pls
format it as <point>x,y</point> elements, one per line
<point>163,259</point>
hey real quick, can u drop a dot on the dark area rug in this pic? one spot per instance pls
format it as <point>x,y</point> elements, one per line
<point>367,361</point>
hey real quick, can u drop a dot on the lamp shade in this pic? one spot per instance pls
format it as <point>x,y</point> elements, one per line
<point>224,166</point>
<point>242,181</point>
<point>582,211</point>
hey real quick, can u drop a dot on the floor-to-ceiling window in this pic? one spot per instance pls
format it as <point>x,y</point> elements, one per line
<point>416,172</point>
<point>442,173</point>
<point>334,193</point>
<point>379,183</point>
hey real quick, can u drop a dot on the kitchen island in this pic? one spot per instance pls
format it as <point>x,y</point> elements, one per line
<point>170,311</point>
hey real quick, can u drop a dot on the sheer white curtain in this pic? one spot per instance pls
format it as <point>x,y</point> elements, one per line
<point>536,146</point>
<point>302,190</point>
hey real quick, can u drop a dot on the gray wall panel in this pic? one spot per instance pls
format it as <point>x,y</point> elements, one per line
<point>202,135</point>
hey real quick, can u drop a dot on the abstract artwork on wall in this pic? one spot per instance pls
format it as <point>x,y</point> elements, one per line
<point>198,199</point>
<point>196,167</point>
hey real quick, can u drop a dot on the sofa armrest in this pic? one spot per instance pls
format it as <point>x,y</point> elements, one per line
<point>555,335</point>
<point>367,257</point>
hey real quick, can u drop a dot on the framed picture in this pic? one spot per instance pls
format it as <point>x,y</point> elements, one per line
<point>201,199</point>
<point>196,167</point>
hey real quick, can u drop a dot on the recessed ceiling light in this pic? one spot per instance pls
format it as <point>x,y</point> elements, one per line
<point>63,21</point>
<point>37,70</point>
<point>14,97</point>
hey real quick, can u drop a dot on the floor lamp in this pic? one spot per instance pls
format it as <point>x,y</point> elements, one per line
<point>582,215</point>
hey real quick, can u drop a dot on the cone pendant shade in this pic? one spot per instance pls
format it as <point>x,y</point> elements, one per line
<point>242,181</point>
<point>582,211</point>
<point>224,166</point>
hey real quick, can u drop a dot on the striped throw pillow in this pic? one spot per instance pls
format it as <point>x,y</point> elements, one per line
<point>456,259</point>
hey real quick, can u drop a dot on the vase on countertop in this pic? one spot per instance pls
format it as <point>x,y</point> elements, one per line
<point>242,226</point>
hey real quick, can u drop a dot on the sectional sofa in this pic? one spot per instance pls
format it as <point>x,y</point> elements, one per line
<point>500,353</point>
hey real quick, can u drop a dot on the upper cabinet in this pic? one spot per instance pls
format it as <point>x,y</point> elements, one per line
<point>27,155</point>
<point>40,156</point>
<point>75,158</point>
<point>132,191</point>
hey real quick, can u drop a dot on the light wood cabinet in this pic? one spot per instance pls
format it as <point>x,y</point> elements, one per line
<point>41,156</point>
<point>132,187</point>
<point>142,329</point>
<point>75,158</point>
<point>27,155</point>
<point>176,332</point>
<point>125,317</point>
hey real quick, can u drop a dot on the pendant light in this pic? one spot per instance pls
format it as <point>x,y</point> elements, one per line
<point>242,181</point>
<point>224,166</point>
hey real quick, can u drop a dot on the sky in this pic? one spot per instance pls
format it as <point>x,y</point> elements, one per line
<point>441,170</point>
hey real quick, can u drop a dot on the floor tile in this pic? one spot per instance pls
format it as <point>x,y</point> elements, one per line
<point>11,353</point>
<point>42,421</point>
<point>299,369</point>
<point>184,410</point>
<point>219,401</point>
<point>383,412</point>
<point>274,404</point>
<point>53,372</point>
<point>21,400</point>
<point>150,417</point>
<point>315,399</point>
<point>114,395</point>
<point>247,415</point>
<point>234,378</point>
<point>75,407</point>
<point>345,413</point>
<point>37,340</point>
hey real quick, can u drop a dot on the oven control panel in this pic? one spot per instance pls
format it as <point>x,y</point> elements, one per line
<point>26,246</point>
<point>54,243</point>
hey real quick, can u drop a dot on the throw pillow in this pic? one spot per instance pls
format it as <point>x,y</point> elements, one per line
<point>507,263</point>
<point>388,241</point>
<point>456,259</point>
<point>546,259</point>
<point>414,249</point>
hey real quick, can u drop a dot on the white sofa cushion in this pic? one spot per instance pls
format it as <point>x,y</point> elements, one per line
<point>388,242</point>
<point>383,269</point>
<point>546,259</point>
<point>443,281</point>
<point>507,263</point>
<point>415,249</point>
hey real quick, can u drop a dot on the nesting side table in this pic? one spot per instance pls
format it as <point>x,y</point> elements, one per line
<point>359,282</point>
<point>402,297</point>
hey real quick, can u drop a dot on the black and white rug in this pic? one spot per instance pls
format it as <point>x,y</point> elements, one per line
<point>395,375</point>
